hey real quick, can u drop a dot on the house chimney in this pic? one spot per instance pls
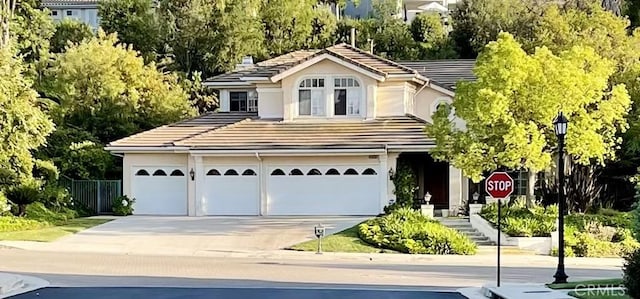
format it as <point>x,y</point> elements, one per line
<point>353,37</point>
<point>370,45</point>
<point>247,62</point>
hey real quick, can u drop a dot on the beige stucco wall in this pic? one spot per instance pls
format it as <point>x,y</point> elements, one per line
<point>426,102</point>
<point>391,98</point>
<point>270,103</point>
<point>138,160</point>
<point>324,68</point>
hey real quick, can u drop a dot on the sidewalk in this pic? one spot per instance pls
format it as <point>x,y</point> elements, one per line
<point>487,259</point>
<point>13,284</point>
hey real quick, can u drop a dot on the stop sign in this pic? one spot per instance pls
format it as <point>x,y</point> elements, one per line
<point>499,185</point>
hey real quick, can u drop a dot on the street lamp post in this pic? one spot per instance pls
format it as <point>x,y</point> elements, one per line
<point>560,124</point>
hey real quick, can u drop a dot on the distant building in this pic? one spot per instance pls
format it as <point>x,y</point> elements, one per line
<point>408,9</point>
<point>81,10</point>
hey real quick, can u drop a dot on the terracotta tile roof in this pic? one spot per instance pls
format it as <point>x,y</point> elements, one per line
<point>170,134</point>
<point>274,134</point>
<point>265,68</point>
<point>274,66</point>
<point>218,131</point>
<point>371,61</point>
<point>445,73</point>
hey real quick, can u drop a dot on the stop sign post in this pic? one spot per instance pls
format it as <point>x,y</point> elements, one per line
<point>499,185</point>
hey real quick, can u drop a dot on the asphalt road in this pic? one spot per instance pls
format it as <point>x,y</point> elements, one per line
<point>231,293</point>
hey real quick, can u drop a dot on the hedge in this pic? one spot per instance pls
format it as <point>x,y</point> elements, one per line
<point>408,231</point>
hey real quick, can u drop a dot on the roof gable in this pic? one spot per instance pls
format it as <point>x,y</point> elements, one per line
<point>276,69</point>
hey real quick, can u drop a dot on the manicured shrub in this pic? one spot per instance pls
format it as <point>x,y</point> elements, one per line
<point>631,275</point>
<point>38,211</point>
<point>123,206</point>
<point>408,231</point>
<point>24,194</point>
<point>56,198</point>
<point>5,205</point>
<point>12,223</point>
<point>520,221</point>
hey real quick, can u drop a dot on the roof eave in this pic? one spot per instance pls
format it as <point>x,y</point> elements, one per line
<point>226,84</point>
<point>145,149</point>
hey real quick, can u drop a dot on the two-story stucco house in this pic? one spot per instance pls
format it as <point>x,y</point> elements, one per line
<point>313,132</point>
<point>80,10</point>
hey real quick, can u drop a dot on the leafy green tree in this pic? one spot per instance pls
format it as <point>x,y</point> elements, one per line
<point>287,24</point>
<point>135,22</point>
<point>69,31</point>
<point>106,89</point>
<point>478,22</point>
<point>508,111</point>
<point>211,36</point>
<point>202,98</point>
<point>427,27</point>
<point>433,40</point>
<point>31,28</point>
<point>391,36</point>
<point>324,26</point>
<point>23,126</point>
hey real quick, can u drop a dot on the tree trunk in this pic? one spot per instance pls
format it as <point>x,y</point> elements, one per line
<point>22,210</point>
<point>531,187</point>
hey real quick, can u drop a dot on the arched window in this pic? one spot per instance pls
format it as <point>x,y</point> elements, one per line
<point>295,171</point>
<point>311,97</point>
<point>369,171</point>
<point>351,171</point>
<point>213,172</point>
<point>346,96</point>
<point>159,172</point>
<point>142,172</point>
<point>231,172</point>
<point>332,171</point>
<point>277,171</point>
<point>249,172</point>
<point>314,172</point>
<point>177,172</point>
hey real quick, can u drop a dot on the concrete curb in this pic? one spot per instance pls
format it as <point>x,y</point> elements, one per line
<point>13,284</point>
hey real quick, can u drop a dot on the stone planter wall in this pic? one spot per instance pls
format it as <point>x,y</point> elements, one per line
<point>541,245</point>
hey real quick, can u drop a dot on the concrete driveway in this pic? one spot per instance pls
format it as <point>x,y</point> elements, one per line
<point>196,235</point>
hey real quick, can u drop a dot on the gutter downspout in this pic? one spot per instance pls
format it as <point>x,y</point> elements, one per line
<point>426,83</point>
<point>261,178</point>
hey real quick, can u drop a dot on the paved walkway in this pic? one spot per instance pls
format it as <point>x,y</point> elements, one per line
<point>192,235</point>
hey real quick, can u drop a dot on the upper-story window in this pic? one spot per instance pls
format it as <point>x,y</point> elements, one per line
<point>243,101</point>
<point>329,95</point>
<point>311,97</point>
<point>346,96</point>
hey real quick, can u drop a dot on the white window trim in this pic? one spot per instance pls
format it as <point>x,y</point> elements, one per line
<point>442,100</point>
<point>329,97</point>
<point>227,98</point>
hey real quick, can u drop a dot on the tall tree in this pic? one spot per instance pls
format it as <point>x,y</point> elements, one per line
<point>508,111</point>
<point>430,34</point>
<point>477,22</point>
<point>323,28</point>
<point>106,89</point>
<point>211,36</point>
<point>631,9</point>
<point>23,125</point>
<point>135,22</point>
<point>287,24</point>
<point>69,32</point>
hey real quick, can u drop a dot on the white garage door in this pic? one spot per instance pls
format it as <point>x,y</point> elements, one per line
<point>159,190</point>
<point>231,190</point>
<point>323,190</point>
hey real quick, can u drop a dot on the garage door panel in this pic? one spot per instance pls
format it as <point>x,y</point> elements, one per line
<point>159,190</point>
<point>232,190</point>
<point>331,193</point>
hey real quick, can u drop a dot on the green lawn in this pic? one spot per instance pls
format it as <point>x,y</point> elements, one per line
<point>49,234</point>
<point>344,241</point>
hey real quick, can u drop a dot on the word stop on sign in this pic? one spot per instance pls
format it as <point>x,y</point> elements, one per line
<point>499,185</point>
